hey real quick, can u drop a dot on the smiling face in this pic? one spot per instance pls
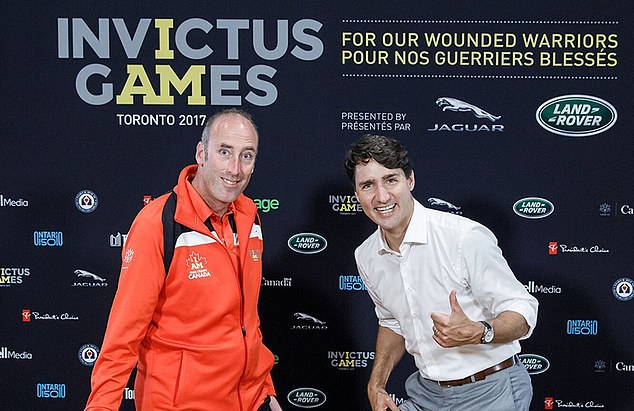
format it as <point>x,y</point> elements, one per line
<point>226,164</point>
<point>386,198</point>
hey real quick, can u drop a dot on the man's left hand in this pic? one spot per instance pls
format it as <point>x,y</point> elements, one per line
<point>455,329</point>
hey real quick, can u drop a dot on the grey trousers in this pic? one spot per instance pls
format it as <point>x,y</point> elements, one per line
<point>506,390</point>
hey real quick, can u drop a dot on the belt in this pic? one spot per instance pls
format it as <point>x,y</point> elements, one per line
<point>479,376</point>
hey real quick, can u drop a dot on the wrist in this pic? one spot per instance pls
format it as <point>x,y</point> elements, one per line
<point>488,333</point>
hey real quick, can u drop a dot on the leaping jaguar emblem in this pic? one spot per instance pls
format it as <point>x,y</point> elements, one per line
<point>453,104</point>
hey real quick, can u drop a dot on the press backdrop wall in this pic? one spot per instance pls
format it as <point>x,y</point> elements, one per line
<point>517,116</point>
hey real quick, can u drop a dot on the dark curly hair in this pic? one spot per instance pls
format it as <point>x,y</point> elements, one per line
<point>388,152</point>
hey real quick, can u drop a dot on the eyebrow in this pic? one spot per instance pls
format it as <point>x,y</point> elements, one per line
<point>248,148</point>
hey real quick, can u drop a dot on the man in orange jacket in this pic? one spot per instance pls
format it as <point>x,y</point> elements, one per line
<point>193,333</point>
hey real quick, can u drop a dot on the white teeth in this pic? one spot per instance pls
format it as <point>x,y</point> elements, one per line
<point>229,181</point>
<point>386,208</point>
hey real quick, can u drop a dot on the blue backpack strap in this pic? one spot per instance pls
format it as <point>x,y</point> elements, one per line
<point>171,230</point>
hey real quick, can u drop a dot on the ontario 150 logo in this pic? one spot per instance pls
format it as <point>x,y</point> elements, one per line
<point>307,243</point>
<point>533,207</point>
<point>576,115</point>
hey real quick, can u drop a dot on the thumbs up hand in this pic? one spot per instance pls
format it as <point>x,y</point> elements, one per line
<point>455,329</point>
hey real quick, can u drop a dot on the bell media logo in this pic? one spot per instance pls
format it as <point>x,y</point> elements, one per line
<point>623,289</point>
<point>576,115</point>
<point>86,201</point>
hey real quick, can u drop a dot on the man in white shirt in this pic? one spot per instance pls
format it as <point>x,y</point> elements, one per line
<point>442,291</point>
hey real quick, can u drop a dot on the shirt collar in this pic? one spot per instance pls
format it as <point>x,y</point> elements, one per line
<point>416,230</point>
<point>203,211</point>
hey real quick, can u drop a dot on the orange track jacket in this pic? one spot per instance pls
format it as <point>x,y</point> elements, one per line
<point>195,334</point>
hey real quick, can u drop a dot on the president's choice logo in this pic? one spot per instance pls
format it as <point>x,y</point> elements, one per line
<point>576,115</point>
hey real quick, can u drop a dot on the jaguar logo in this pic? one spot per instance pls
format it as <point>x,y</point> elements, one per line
<point>453,104</point>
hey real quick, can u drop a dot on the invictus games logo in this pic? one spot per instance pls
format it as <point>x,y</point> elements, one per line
<point>623,289</point>
<point>86,201</point>
<point>13,275</point>
<point>345,204</point>
<point>535,364</point>
<point>455,105</point>
<point>307,243</point>
<point>306,397</point>
<point>533,207</point>
<point>88,354</point>
<point>173,43</point>
<point>576,115</point>
<point>350,360</point>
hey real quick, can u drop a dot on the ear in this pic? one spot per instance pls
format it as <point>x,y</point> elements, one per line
<point>411,181</point>
<point>200,154</point>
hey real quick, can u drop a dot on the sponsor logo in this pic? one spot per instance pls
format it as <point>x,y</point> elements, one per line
<point>86,201</point>
<point>254,254</point>
<point>128,257</point>
<point>351,283</point>
<point>576,115</point>
<point>550,403</point>
<point>128,393</point>
<point>28,316</point>
<point>627,210</point>
<point>308,322</point>
<point>147,200</point>
<point>605,210</point>
<point>535,364</point>
<point>285,282</point>
<point>455,105</point>
<point>88,354</point>
<point>307,243</point>
<point>345,204</point>
<point>197,266</point>
<point>11,275</point>
<point>267,204</point>
<point>554,247</point>
<point>51,390</point>
<point>93,280</point>
<point>48,238</point>
<point>582,327</point>
<point>444,205</point>
<point>350,360</point>
<point>621,366</point>
<point>600,366</point>
<point>306,397</point>
<point>533,207</point>
<point>7,354</point>
<point>533,288</point>
<point>8,202</point>
<point>118,240</point>
<point>623,289</point>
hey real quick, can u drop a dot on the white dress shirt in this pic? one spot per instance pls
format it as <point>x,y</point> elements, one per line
<point>441,252</point>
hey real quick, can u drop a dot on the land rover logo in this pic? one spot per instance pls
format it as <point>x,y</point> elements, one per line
<point>306,397</point>
<point>535,364</point>
<point>533,207</point>
<point>576,115</point>
<point>307,243</point>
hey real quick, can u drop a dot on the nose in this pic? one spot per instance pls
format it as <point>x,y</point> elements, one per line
<point>233,166</point>
<point>382,194</point>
